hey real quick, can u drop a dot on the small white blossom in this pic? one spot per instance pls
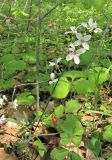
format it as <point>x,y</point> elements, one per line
<point>53,80</point>
<point>1,101</point>
<point>73,30</point>
<point>82,40</point>
<point>52,63</point>
<point>55,63</point>
<point>92,26</point>
<point>4,98</point>
<point>75,54</point>
<point>15,105</point>
<point>2,119</point>
<point>58,60</point>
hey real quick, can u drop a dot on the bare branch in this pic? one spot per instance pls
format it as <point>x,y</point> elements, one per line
<point>53,8</point>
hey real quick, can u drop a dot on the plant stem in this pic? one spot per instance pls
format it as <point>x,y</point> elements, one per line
<point>38,36</point>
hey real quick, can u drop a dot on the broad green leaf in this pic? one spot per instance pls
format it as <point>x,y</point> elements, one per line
<point>25,98</point>
<point>72,106</point>
<point>30,58</point>
<point>65,138</point>
<point>83,86</point>
<point>94,145</point>
<point>6,84</point>
<point>68,124</point>
<point>40,147</point>
<point>78,130</point>
<point>59,111</point>
<point>77,140</point>
<point>71,124</point>
<point>74,75</point>
<point>74,156</point>
<point>59,153</point>
<point>107,134</point>
<point>62,89</point>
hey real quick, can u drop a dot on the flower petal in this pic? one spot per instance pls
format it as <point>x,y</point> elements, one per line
<point>55,80</point>
<point>68,32</point>
<point>81,51</point>
<point>52,76</point>
<point>85,45</point>
<point>90,22</point>
<point>87,37</point>
<point>73,29</point>
<point>72,47</point>
<point>76,59</point>
<point>77,43</point>
<point>84,25</point>
<point>52,64</point>
<point>58,60</point>
<point>79,36</point>
<point>97,30</point>
<point>69,57</point>
<point>1,101</point>
<point>50,82</point>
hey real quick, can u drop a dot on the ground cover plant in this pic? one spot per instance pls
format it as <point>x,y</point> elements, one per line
<point>55,79</point>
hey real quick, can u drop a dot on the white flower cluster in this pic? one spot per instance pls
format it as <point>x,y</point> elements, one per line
<point>52,75</point>
<point>55,63</point>
<point>2,100</point>
<point>2,119</point>
<point>91,26</point>
<point>81,40</point>
<point>80,46</point>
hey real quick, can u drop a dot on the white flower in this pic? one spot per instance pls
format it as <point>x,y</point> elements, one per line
<point>55,63</point>
<point>82,40</point>
<point>52,63</point>
<point>53,80</point>
<point>1,101</point>
<point>58,60</point>
<point>75,54</point>
<point>73,30</point>
<point>92,26</point>
<point>15,105</point>
<point>2,119</point>
<point>4,97</point>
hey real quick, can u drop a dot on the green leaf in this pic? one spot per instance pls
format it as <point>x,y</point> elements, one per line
<point>59,153</point>
<point>72,106</point>
<point>74,75</point>
<point>40,147</point>
<point>78,130</point>
<point>83,86</point>
<point>59,111</point>
<point>25,98</point>
<point>107,134</point>
<point>99,75</point>
<point>30,58</point>
<point>6,84</point>
<point>67,125</point>
<point>94,145</point>
<point>77,140</point>
<point>62,89</point>
<point>65,138</point>
<point>74,156</point>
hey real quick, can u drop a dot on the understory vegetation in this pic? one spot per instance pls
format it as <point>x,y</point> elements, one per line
<point>56,79</point>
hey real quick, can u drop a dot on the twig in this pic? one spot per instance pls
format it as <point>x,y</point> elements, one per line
<point>29,18</point>
<point>53,8</point>
<point>38,36</point>
<point>25,5</point>
<point>24,84</point>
